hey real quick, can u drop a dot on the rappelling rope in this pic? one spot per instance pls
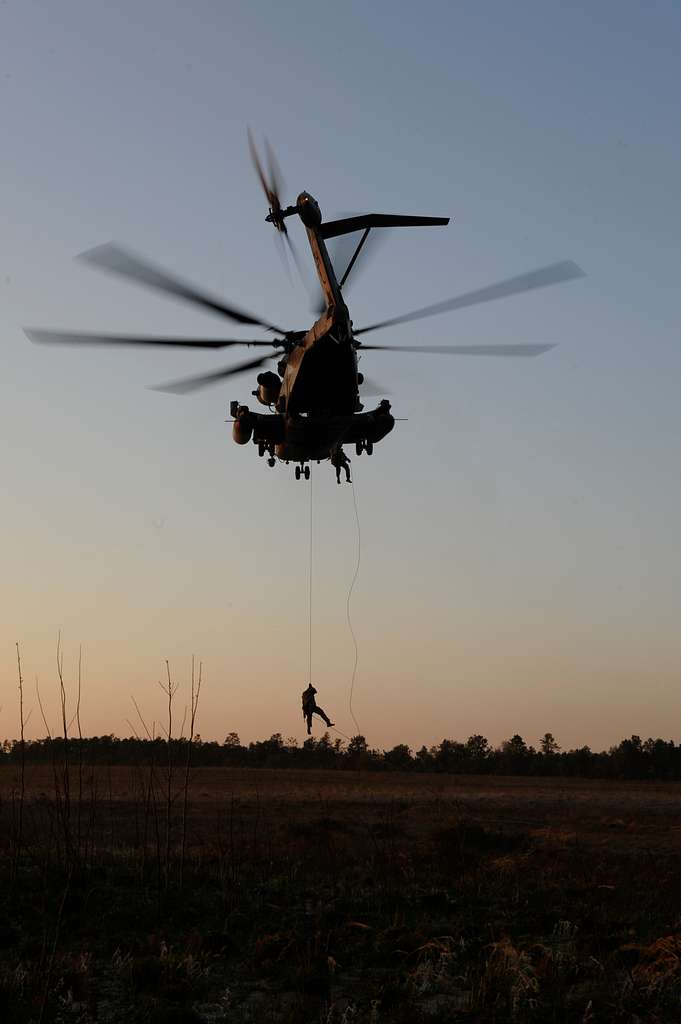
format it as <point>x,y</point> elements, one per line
<point>347,607</point>
<point>309,596</point>
<point>340,732</point>
<point>334,727</point>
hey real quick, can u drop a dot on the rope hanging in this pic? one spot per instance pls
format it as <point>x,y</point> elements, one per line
<point>347,607</point>
<point>309,596</point>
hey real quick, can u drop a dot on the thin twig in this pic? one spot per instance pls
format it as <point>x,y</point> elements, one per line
<point>195,691</point>
<point>22,770</point>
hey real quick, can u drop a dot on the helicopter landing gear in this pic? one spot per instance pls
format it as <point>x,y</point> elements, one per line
<point>302,471</point>
<point>364,446</point>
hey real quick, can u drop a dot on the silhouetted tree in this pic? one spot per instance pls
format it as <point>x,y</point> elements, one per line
<point>423,760</point>
<point>629,759</point>
<point>515,756</point>
<point>548,745</point>
<point>359,755</point>
<point>478,754</point>
<point>662,758</point>
<point>632,758</point>
<point>399,758</point>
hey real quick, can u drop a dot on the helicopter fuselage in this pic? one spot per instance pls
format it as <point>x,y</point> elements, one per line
<point>317,400</point>
<point>313,400</point>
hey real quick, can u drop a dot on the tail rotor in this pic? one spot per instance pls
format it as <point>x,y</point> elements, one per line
<point>272,187</point>
<point>272,184</point>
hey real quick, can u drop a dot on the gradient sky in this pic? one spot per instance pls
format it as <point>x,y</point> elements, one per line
<point>520,565</point>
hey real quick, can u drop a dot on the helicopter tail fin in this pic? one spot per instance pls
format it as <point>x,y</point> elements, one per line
<point>333,228</point>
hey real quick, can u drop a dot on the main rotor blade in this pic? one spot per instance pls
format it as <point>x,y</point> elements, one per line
<point>554,273</point>
<point>464,350</point>
<point>186,384</point>
<point>40,336</point>
<point>117,260</point>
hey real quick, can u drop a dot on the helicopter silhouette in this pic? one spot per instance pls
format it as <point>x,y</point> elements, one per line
<point>313,398</point>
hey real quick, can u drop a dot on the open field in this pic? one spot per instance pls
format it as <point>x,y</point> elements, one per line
<point>305,896</point>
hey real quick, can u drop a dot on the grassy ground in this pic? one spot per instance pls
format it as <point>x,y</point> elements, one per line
<point>337,897</point>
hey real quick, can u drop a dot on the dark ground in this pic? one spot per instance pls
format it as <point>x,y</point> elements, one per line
<point>311,896</point>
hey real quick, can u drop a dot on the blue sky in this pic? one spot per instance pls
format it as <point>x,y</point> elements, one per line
<point>519,532</point>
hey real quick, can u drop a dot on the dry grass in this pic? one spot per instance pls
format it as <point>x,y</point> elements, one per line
<point>305,896</point>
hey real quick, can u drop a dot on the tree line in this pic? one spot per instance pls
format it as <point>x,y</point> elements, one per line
<point>632,758</point>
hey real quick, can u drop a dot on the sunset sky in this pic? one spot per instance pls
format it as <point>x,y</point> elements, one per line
<point>520,567</point>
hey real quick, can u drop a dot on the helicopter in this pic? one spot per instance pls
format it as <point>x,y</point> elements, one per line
<point>313,399</point>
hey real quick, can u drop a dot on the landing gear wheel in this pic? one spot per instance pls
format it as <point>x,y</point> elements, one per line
<point>261,448</point>
<point>271,462</point>
<point>306,471</point>
<point>369,447</point>
<point>359,447</point>
<point>297,472</point>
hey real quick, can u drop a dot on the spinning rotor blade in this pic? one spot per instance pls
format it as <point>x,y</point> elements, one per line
<point>274,186</point>
<point>258,167</point>
<point>276,179</point>
<point>465,350</point>
<point>187,384</point>
<point>280,246</point>
<point>294,253</point>
<point>273,189</point>
<point>284,243</point>
<point>554,273</point>
<point>82,338</point>
<point>117,260</point>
